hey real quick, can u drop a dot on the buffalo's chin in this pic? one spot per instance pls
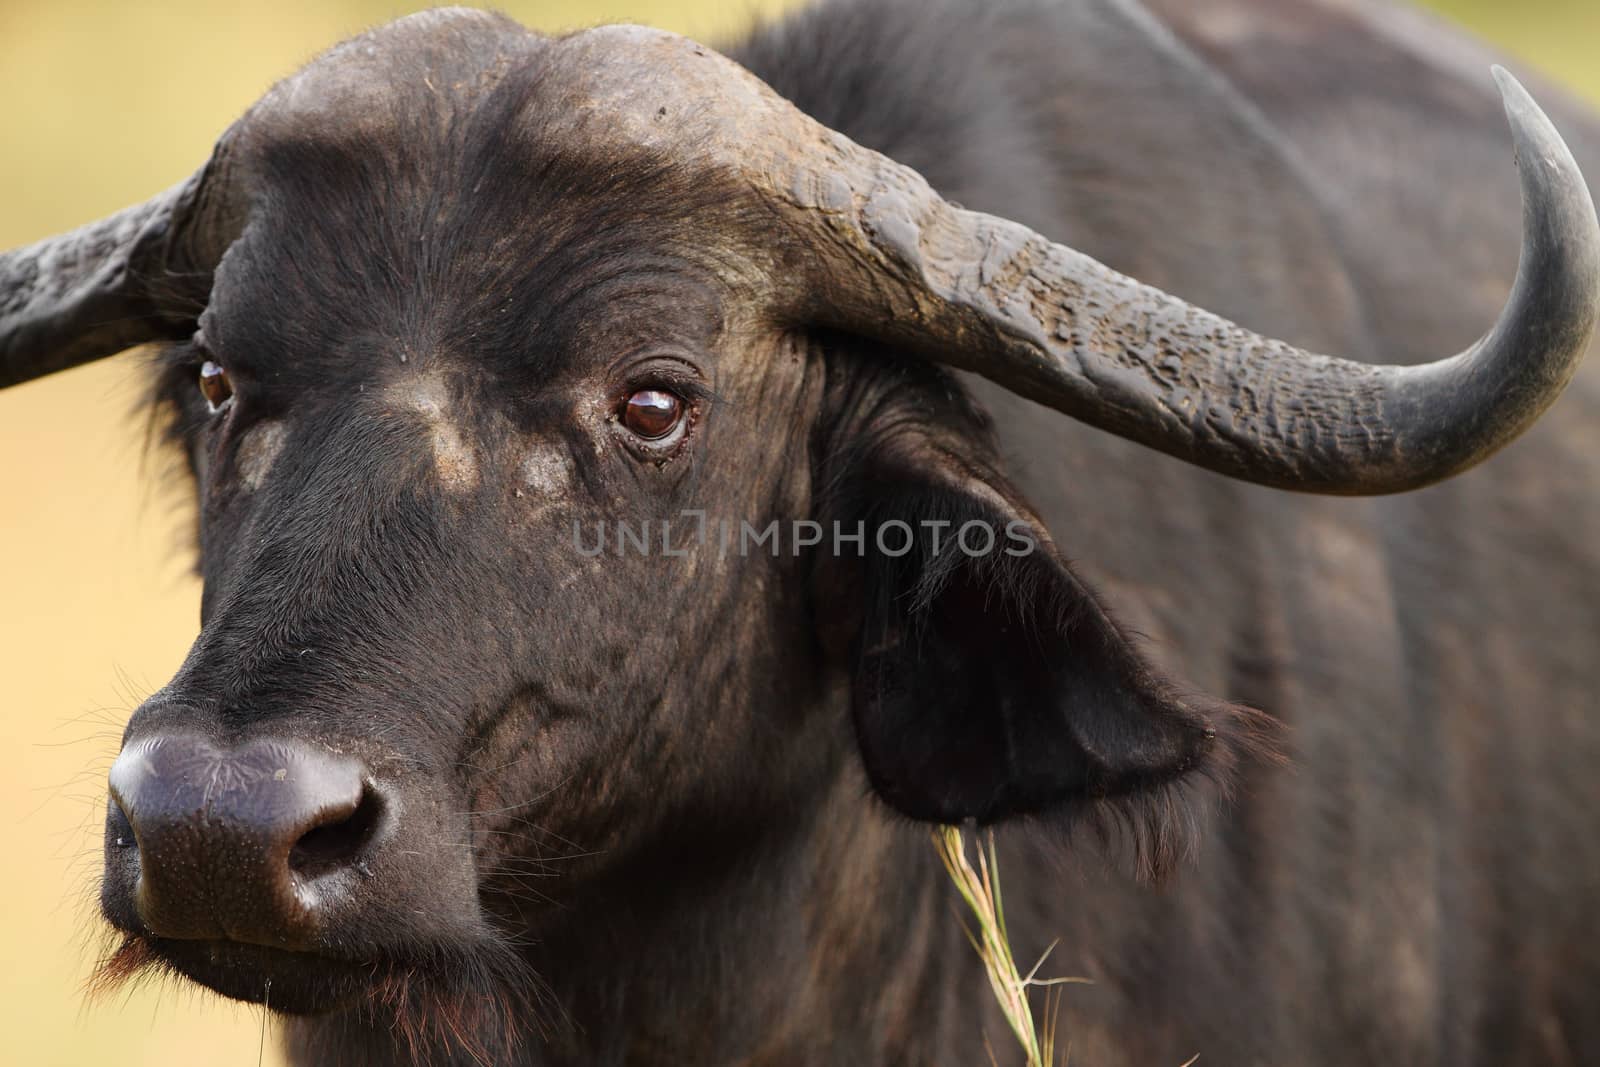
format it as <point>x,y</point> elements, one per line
<point>295,983</point>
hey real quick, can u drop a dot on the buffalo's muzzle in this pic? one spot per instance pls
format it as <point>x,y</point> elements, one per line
<point>258,844</point>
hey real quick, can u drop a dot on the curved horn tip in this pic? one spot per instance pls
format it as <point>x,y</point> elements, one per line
<point>1511,90</point>
<point>1558,208</point>
<point>1534,134</point>
<point>1522,110</point>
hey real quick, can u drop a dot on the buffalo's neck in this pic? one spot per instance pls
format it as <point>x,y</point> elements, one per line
<point>825,940</point>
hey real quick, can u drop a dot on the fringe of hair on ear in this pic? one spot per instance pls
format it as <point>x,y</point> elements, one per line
<point>1158,828</point>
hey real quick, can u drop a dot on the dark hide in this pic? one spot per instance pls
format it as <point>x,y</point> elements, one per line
<point>662,809</point>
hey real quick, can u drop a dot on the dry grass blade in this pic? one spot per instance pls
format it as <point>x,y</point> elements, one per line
<point>980,887</point>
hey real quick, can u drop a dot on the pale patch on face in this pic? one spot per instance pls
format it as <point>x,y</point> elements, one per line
<point>454,461</point>
<point>547,470</point>
<point>257,453</point>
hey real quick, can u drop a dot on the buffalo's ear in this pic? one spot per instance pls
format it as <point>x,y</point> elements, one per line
<point>988,681</point>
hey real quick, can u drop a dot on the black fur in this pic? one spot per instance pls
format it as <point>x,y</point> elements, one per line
<point>661,809</point>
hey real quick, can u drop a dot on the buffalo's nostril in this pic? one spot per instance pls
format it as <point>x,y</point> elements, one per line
<point>341,840</point>
<point>119,831</point>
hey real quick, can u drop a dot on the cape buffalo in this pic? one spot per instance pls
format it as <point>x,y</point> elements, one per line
<point>574,423</point>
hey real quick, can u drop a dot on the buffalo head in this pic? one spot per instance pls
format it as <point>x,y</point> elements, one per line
<point>583,493</point>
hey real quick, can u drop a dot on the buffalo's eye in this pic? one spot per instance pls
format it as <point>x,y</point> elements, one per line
<point>214,385</point>
<point>652,413</point>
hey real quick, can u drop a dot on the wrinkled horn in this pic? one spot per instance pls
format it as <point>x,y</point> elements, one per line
<point>139,275</point>
<point>992,297</point>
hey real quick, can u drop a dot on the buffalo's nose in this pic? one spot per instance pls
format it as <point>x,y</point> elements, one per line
<point>254,844</point>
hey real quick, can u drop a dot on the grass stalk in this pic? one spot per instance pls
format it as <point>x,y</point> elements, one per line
<point>979,886</point>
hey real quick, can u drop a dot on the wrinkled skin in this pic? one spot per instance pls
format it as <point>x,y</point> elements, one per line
<point>649,811</point>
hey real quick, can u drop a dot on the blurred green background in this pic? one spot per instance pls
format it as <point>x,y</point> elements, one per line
<point>103,103</point>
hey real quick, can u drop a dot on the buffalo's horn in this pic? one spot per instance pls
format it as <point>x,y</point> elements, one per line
<point>988,295</point>
<point>139,275</point>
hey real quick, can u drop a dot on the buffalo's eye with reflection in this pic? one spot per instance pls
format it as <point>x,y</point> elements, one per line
<point>652,413</point>
<point>214,385</point>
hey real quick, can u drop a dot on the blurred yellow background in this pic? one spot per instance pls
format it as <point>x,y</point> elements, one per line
<point>103,103</point>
